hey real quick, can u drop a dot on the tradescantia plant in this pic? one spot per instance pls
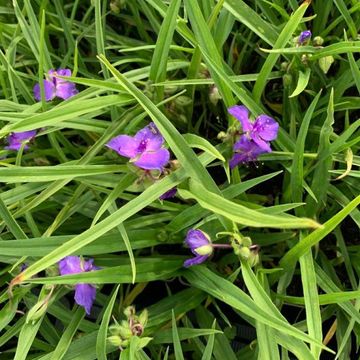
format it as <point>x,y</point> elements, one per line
<point>193,160</point>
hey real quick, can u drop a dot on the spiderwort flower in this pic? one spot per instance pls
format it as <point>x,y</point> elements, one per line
<point>55,86</point>
<point>261,131</point>
<point>16,139</point>
<point>304,37</point>
<point>256,135</point>
<point>145,149</point>
<point>200,245</point>
<point>84,293</point>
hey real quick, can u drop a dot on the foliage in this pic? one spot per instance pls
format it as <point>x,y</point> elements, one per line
<point>286,282</point>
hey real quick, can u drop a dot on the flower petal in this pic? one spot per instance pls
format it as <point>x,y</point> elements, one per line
<point>124,145</point>
<point>168,194</point>
<point>196,238</point>
<point>70,265</point>
<point>17,138</point>
<point>195,261</point>
<point>49,91</point>
<point>263,145</point>
<point>63,72</point>
<point>241,113</point>
<point>238,159</point>
<point>151,135</point>
<point>154,160</point>
<point>65,89</point>
<point>266,127</point>
<point>85,296</point>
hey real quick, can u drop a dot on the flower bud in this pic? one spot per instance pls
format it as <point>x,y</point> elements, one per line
<point>214,95</point>
<point>318,41</point>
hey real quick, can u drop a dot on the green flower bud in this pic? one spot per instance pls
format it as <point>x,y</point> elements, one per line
<point>115,340</point>
<point>214,95</point>
<point>143,317</point>
<point>318,41</point>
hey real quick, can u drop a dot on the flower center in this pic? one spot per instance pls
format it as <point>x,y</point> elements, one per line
<point>142,146</point>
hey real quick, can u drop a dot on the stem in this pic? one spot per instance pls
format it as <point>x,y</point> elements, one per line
<point>222,246</point>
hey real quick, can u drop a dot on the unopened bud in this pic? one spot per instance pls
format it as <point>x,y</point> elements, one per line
<point>318,41</point>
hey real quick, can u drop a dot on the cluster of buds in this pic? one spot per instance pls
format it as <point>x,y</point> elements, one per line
<point>131,326</point>
<point>243,247</point>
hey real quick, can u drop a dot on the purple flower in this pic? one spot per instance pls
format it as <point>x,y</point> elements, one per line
<point>168,194</point>
<point>145,149</point>
<point>200,245</point>
<point>304,36</point>
<point>55,86</point>
<point>16,139</point>
<point>245,150</point>
<point>261,131</point>
<point>84,293</point>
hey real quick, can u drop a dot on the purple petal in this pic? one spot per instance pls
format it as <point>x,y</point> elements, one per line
<point>85,296</point>
<point>65,89</point>
<point>266,127</point>
<point>155,160</point>
<point>124,145</point>
<point>304,36</point>
<point>151,136</point>
<point>168,194</point>
<point>246,150</point>
<point>49,91</point>
<point>263,145</point>
<point>195,239</point>
<point>17,138</point>
<point>241,113</point>
<point>70,265</point>
<point>238,159</point>
<point>195,261</point>
<point>63,72</point>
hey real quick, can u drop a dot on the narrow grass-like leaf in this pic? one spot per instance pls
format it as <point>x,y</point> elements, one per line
<point>68,334</point>
<point>10,222</point>
<point>290,258</point>
<point>51,173</point>
<point>225,291</point>
<point>209,346</point>
<point>103,329</point>
<point>160,57</point>
<point>240,214</point>
<point>281,41</point>
<point>176,340</point>
<point>198,142</point>
<point>250,18</point>
<point>206,41</point>
<point>26,337</point>
<point>297,169</point>
<point>303,80</point>
<point>311,297</point>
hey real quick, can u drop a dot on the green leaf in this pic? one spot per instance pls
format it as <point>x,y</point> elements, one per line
<point>240,214</point>
<point>302,83</point>
<point>230,294</point>
<point>103,329</point>
<point>160,57</point>
<point>176,340</point>
<point>251,19</point>
<point>195,141</point>
<point>65,340</point>
<point>281,41</point>
<point>290,258</point>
